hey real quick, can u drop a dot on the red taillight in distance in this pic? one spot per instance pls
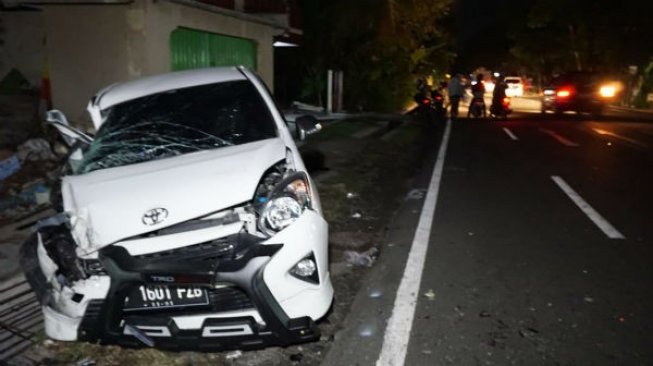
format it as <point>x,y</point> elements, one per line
<point>426,101</point>
<point>565,92</point>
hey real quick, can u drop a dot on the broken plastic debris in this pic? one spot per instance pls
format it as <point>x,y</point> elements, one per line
<point>233,355</point>
<point>366,331</point>
<point>356,215</point>
<point>588,299</point>
<point>362,259</point>
<point>484,314</point>
<point>416,194</point>
<point>470,233</point>
<point>375,293</point>
<point>528,332</point>
<point>87,361</point>
<point>352,195</point>
<point>430,294</point>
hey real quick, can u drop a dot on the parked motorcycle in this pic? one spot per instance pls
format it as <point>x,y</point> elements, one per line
<point>500,108</point>
<point>425,107</point>
<point>438,106</point>
<point>476,108</point>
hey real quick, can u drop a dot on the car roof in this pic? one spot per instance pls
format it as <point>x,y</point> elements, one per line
<point>122,92</point>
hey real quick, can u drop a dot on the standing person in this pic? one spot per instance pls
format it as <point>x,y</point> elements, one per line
<point>456,92</point>
<point>498,94</point>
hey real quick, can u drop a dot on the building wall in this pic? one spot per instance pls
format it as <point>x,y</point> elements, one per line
<point>92,46</point>
<point>162,18</point>
<point>88,48</point>
<point>23,49</point>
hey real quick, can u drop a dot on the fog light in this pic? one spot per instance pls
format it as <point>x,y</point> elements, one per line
<point>306,270</point>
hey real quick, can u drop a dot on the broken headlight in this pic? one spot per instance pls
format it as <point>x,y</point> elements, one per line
<point>285,204</point>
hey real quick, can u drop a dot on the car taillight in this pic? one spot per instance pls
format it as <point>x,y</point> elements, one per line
<point>426,101</point>
<point>565,92</point>
<point>438,98</point>
<point>506,101</point>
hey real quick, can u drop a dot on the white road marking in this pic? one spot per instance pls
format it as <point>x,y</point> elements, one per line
<point>620,137</point>
<point>397,333</point>
<point>559,138</point>
<point>598,220</point>
<point>510,134</point>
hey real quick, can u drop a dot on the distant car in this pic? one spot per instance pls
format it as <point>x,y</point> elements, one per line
<point>581,92</point>
<point>515,86</point>
<point>189,222</point>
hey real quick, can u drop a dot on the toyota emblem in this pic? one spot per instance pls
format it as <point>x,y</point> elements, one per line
<point>155,216</point>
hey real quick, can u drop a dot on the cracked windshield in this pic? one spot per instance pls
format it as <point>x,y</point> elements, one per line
<point>178,122</point>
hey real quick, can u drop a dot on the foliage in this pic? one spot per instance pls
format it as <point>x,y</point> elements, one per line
<point>584,34</point>
<point>381,46</point>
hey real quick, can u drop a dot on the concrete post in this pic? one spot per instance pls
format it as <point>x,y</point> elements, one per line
<point>329,101</point>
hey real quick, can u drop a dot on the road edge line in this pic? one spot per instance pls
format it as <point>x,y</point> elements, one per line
<point>397,332</point>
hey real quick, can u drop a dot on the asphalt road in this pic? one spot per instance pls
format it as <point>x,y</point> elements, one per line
<point>540,249</point>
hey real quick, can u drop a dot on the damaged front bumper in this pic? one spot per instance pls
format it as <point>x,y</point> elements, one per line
<point>253,299</point>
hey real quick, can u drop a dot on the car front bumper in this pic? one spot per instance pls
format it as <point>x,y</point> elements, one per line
<point>254,300</point>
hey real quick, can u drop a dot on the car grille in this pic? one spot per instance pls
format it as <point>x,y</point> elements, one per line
<point>212,250</point>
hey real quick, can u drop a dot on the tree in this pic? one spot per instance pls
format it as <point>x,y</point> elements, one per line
<point>584,35</point>
<point>381,46</point>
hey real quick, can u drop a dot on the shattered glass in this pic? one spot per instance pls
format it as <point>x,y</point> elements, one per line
<point>177,122</point>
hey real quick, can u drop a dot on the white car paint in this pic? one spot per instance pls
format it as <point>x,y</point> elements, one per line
<point>107,206</point>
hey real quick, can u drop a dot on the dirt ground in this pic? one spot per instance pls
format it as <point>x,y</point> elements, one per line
<point>361,178</point>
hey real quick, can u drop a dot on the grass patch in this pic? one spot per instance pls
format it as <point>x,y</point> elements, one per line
<point>340,129</point>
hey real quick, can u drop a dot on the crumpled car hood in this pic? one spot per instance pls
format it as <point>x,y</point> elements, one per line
<point>108,205</point>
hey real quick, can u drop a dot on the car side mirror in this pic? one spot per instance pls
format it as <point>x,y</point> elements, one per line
<point>305,126</point>
<point>70,134</point>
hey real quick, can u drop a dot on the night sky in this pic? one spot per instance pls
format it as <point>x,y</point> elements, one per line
<point>480,29</point>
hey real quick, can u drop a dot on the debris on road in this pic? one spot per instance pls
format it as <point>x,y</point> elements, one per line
<point>233,355</point>
<point>528,332</point>
<point>416,194</point>
<point>430,295</point>
<point>351,195</point>
<point>361,259</point>
<point>356,215</point>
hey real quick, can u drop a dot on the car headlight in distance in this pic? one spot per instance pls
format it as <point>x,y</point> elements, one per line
<point>608,91</point>
<point>285,204</point>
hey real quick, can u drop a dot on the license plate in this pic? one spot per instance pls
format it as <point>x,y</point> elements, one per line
<point>161,297</point>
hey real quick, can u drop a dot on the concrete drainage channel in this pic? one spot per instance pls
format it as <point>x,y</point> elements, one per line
<point>20,320</point>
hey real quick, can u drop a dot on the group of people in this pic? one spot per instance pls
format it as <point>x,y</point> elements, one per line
<point>456,91</point>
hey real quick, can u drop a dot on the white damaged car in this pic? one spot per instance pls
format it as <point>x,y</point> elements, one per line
<point>188,222</point>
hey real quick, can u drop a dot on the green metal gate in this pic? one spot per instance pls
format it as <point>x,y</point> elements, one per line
<point>192,49</point>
